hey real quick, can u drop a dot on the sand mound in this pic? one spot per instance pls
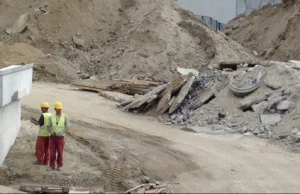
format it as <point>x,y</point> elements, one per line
<point>112,38</point>
<point>273,31</point>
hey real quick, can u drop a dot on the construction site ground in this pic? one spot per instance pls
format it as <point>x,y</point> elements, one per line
<point>111,150</point>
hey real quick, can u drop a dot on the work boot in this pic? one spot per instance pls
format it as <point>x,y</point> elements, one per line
<point>59,169</point>
<point>50,168</point>
<point>37,163</point>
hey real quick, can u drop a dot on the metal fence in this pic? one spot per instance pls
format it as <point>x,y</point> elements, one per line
<point>214,24</point>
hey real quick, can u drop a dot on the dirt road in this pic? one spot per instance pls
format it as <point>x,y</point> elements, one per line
<point>198,163</point>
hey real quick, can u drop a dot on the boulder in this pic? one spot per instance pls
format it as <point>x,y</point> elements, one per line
<point>20,24</point>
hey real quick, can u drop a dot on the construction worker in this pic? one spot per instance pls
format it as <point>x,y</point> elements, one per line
<point>42,142</point>
<point>57,126</point>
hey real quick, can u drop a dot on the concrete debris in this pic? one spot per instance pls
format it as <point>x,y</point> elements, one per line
<point>260,107</point>
<point>250,100</point>
<point>273,84</point>
<point>20,24</point>
<point>204,98</point>
<point>295,64</point>
<point>284,105</point>
<point>270,118</point>
<point>295,131</point>
<point>184,71</point>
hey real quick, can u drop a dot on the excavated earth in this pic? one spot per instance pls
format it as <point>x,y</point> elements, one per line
<point>272,31</point>
<point>112,38</point>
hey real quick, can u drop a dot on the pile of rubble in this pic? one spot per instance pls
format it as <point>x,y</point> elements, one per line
<point>257,98</point>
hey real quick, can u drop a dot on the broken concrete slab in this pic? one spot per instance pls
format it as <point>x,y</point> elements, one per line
<point>204,98</point>
<point>182,94</point>
<point>250,100</point>
<point>272,82</point>
<point>295,64</point>
<point>260,107</point>
<point>270,119</point>
<point>116,96</point>
<point>20,24</point>
<point>184,71</point>
<point>284,105</point>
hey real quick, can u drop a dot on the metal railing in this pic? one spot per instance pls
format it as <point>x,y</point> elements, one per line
<point>214,24</point>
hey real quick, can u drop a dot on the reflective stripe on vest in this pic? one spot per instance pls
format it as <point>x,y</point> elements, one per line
<point>58,127</point>
<point>43,129</point>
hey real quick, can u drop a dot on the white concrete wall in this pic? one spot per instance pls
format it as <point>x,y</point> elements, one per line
<point>15,83</point>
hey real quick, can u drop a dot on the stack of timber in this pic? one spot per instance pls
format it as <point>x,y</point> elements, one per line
<point>167,97</point>
<point>118,85</point>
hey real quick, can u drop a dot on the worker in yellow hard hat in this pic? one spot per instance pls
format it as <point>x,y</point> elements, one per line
<point>43,139</point>
<point>57,126</point>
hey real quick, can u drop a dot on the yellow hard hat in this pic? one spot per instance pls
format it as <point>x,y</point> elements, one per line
<point>45,105</point>
<point>58,105</point>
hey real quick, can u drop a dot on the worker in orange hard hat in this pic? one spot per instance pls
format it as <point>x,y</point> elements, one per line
<point>58,124</point>
<point>42,142</point>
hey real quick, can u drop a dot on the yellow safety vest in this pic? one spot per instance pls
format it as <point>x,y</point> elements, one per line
<point>43,129</point>
<point>58,127</point>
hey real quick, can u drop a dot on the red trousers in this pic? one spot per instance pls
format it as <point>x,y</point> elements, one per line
<point>56,146</point>
<point>42,150</point>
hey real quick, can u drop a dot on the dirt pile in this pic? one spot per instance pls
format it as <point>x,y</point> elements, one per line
<point>111,38</point>
<point>17,54</point>
<point>272,31</point>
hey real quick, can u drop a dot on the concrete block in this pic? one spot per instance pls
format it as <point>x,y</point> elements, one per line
<point>15,83</point>
<point>10,120</point>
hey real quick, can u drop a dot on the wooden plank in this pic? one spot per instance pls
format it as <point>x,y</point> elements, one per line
<point>174,86</point>
<point>182,94</point>
<point>43,188</point>
<point>135,188</point>
<point>147,98</point>
<point>165,109</point>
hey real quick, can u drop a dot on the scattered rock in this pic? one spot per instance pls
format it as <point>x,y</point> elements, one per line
<point>283,105</point>
<point>286,92</point>
<point>295,131</point>
<point>256,131</point>
<point>8,31</point>
<point>273,84</point>
<point>273,101</point>
<point>270,118</point>
<point>295,64</point>
<point>298,136</point>
<point>264,136</point>
<point>21,24</point>
<point>249,101</point>
<point>84,75</point>
<point>78,41</point>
